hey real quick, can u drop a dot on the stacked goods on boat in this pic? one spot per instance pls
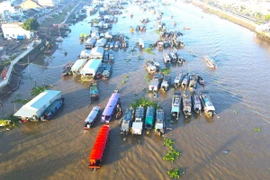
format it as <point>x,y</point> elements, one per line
<point>35,108</point>
<point>96,155</point>
<point>196,103</point>
<point>186,104</point>
<point>160,122</point>
<point>91,118</point>
<point>52,109</point>
<point>127,121</point>
<point>192,83</point>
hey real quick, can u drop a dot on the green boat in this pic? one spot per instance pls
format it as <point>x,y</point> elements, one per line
<point>93,91</point>
<point>150,117</point>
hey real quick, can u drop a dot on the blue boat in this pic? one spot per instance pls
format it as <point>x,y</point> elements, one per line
<point>52,109</point>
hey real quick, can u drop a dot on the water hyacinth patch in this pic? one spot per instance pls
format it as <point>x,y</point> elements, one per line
<point>257,129</point>
<point>175,173</point>
<point>168,143</point>
<point>172,155</point>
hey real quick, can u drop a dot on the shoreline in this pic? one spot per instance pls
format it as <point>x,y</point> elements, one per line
<point>237,19</point>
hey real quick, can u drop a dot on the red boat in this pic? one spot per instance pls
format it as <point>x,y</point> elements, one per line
<point>95,157</point>
<point>4,73</point>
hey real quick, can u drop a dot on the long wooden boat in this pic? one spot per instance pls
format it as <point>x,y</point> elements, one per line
<point>186,104</point>
<point>197,107</point>
<point>127,121</point>
<point>208,106</point>
<point>93,91</point>
<point>96,155</point>
<point>52,109</point>
<point>160,122</point>
<point>210,62</point>
<point>149,118</point>
<point>92,118</point>
<point>176,103</point>
<point>192,83</point>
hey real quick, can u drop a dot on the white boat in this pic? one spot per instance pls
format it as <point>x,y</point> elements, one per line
<point>77,66</point>
<point>137,125</point>
<point>166,58</point>
<point>197,107</point>
<point>160,122</point>
<point>210,62</point>
<point>173,57</point>
<point>166,82</point>
<point>177,80</point>
<point>156,82</point>
<point>185,81</point>
<point>208,106</point>
<point>150,67</point>
<point>176,103</point>
<point>186,104</point>
<point>141,43</point>
<point>91,118</point>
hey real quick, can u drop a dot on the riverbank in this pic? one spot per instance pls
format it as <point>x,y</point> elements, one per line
<point>240,20</point>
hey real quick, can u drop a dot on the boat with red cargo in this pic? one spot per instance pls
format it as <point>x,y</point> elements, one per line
<point>95,157</point>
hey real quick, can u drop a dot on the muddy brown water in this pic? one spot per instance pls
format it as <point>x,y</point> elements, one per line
<point>224,147</point>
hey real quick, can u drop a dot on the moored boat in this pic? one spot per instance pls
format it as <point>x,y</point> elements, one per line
<point>52,109</point>
<point>200,80</point>
<point>186,104</point>
<point>150,67</point>
<point>192,83</point>
<point>149,118</point>
<point>166,58</point>
<point>177,80</point>
<point>160,122</point>
<point>208,106</point>
<point>176,102</point>
<point>92,118</point>
<point>66,70</point>
<point>166,82</point>
<point>173,57</point>
<point>196,102</point>
<point>185,81</point>
<point>127,121</point>
<point>137,125</point>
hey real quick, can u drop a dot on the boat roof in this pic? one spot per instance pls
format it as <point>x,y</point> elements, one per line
<point>91,64</point>
<point>93,113</point>
<point>78,64</point>
<point>38,102</point>
<point>100,143</point>
<point>111,104</point>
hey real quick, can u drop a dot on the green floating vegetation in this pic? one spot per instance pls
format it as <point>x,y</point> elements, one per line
<point>38,89</point>
<point>9,124</point>
<point>166,71</point>
<point>147,78</point>
<point>257,129</point>
<point>172,155</point>
<point>140,58</point>
<point>175,173</point>
<point>123,82</point>
<point>127,60</point>
<point>168,143</point>
<point>126,77</point>
<point>144,102</point>
<point>149,51</point>
<point>235,112</point>
<point>157,31</point>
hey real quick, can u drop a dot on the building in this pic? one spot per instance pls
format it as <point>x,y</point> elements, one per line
<point>15,31</point>
<point>48,3</point>
<point>7,10</point>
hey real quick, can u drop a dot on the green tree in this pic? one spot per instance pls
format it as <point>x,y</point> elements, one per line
<point>267,17</point>
<point>31,24</point>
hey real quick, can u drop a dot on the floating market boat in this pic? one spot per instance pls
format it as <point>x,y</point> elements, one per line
<point>66,70</point>
<point>96,155</point>
<point>208,106</point>
<point>200,80</point>
<point>127,121</point>
<point>137,125</point>
<point>155,83</point>
<point>112,108</point>
<point>92,118</point>
<point>160,122</point>
<point>150,67</point>
<point>176,102</point>
<point>166,58</point>
<point>210,62</point>
<point>149,118</point>
<point>192,83</point>
<point>185,81</point>
<point>186,104</point>
<point>166,82</point>
<point>197,107</point>
<point>93,91</point>
<point>52,109</point>
<point>177,80</point>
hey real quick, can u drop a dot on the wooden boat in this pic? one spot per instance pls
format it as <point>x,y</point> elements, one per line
<point>96,155</point>
<point>173,57</point>
<point>166,82</point>
<point>4,73</point>
<point>160,122</point>
<point>150,67</point>
<point>196,102</point>
<point>185,81</point>
<point>52,109</point>
<point>192,83</point>
<point>92,118</point>
<point>200,80</point>
<point>208,106</point>
<point>137,125</point>
<point>186,104</point>
<point>66,70</point>
<point>155,83</point>
<point>176,103</point>
<point>127,121</point>
<point>210,62</point>
<point>177,80</point>
<point>149,118</point>
<point>166,58</point>
<point>107,72</point>
<point>93,91</point>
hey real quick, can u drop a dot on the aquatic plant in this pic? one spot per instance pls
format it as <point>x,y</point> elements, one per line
<point>38,89</point>
<point>172,155</point>
<point>149,51</point>
<point>20,101</point>
<point>147,78</point>
<point>144,102</point>
<point>157,31</point>
<point>123,82</point>
<point>125,76</point>
<point>257,129</point>
<point>175,173</point>
<point>166,71</point>
<point>168,143</point>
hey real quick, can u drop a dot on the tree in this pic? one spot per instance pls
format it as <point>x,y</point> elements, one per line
<point>267,17</point>
<point>31,24</point>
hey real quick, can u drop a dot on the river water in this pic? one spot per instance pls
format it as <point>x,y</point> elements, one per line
<point>225,147</point>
